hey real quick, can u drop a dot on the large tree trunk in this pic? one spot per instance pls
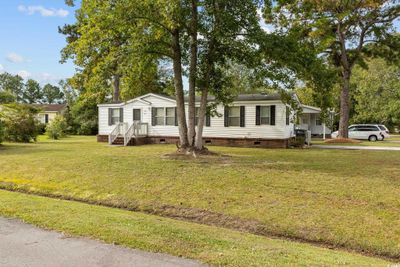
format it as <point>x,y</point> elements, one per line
<point>202,114</point>
<point>180,102</point>
<point>116,83</point>
<point>192,74</point>
<point>345,105</point>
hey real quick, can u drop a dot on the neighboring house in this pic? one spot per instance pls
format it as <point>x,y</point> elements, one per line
<point>47,112</point>
<point>251,120</point>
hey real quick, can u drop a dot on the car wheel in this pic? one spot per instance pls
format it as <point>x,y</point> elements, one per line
<point>372,138</point>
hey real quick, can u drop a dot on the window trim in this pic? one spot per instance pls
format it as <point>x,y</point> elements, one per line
<point>165,117</point>
<point>116,118</point>
<point>232,117</point>
<point>269,115</point>
<point>169,117</point>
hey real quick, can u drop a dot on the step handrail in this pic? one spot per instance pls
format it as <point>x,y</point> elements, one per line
<point>129,134</point>
<point>114,133</point>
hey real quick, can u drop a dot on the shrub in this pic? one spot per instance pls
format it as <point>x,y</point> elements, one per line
<point>19,123</point>
<point>1,132</point>
<point>57,128</point>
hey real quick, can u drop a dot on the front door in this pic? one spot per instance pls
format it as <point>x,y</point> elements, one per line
<point>136,115</point>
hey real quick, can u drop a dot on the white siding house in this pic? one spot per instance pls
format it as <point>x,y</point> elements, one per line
<point>252,118</point>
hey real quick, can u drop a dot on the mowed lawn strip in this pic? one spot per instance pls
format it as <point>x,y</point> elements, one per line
<point>212,245</point>
<point>392,142</point>
<point>343,198</point>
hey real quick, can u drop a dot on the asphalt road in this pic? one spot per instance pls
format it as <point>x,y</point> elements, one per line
<point>24,245</point>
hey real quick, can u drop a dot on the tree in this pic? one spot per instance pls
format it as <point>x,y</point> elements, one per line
<point>32,92</point>
<point>376,93</point>
<point>161,31</point>
<point>11,85</point>
<point>52,94</point>
<point>6,97</point>
<point>344,32</point>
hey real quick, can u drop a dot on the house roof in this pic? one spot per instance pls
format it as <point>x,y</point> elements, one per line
<point>241,97</point>
<point>50,107</point>
<point>310,109</point>
<point>246,97</point>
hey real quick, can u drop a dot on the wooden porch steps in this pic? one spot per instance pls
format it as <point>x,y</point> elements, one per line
<point>135,141</point>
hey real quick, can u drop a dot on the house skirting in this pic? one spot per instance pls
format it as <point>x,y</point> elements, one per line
<point>209,141</point>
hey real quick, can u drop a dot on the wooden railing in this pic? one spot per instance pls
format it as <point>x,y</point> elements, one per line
<point>129,134</point>
<point>137,129</point>
<point>116,132</point>
<point>141,129</point>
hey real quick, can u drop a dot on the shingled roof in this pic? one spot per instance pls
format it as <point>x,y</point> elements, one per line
<point>50,107</point>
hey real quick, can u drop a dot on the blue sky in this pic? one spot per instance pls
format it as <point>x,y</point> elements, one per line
<point>30,43</point>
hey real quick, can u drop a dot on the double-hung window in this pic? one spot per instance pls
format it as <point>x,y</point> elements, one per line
<point>170,116</point>
<point>115,116</point>
<point>234,116</point>
<point>265,115</point>
<point>163,116</point>
<point>159,116</point>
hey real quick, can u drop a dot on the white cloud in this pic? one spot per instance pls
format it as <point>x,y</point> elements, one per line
<point>45,12</point>
<point>24,74</point>
<point>15,58</point>
<point>1,68</point>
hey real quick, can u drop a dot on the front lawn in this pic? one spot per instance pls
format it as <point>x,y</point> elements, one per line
<point>392,142</point>
<point>212,245</point>
<point>343,198</point>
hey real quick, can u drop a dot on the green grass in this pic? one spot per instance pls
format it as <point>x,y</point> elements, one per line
<point>219,247</point>
<point>392,142</point>
<point>344,198</point>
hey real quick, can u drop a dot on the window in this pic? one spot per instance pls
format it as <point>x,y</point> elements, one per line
<point>136,115</point>
<point>163,116</point>
<point>115,116</point>
<point>234,116</point>
<point>159,116</point>
<point>265,115</point>
<point>318,120</point>
<point>46,118</point>
<point>170,116</point>
<point>287,115</point>
<point>367,128</point>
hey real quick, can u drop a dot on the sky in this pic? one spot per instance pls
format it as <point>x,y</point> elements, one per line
<point>30,44</point>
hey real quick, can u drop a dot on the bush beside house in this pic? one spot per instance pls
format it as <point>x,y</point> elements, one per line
<point>19,123</point>
<point>57,128</point>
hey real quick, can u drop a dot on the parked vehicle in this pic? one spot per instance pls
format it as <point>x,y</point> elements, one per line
<point>385,129</point>
<point>370,132</point>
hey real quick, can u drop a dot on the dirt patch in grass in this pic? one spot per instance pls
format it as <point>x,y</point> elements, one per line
<point>342,141</point>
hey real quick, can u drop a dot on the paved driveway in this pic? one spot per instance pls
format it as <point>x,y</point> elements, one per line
<point>24,245</point>
<point>384,148</point>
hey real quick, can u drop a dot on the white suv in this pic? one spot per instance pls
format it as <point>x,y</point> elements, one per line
<point>371,132</point>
